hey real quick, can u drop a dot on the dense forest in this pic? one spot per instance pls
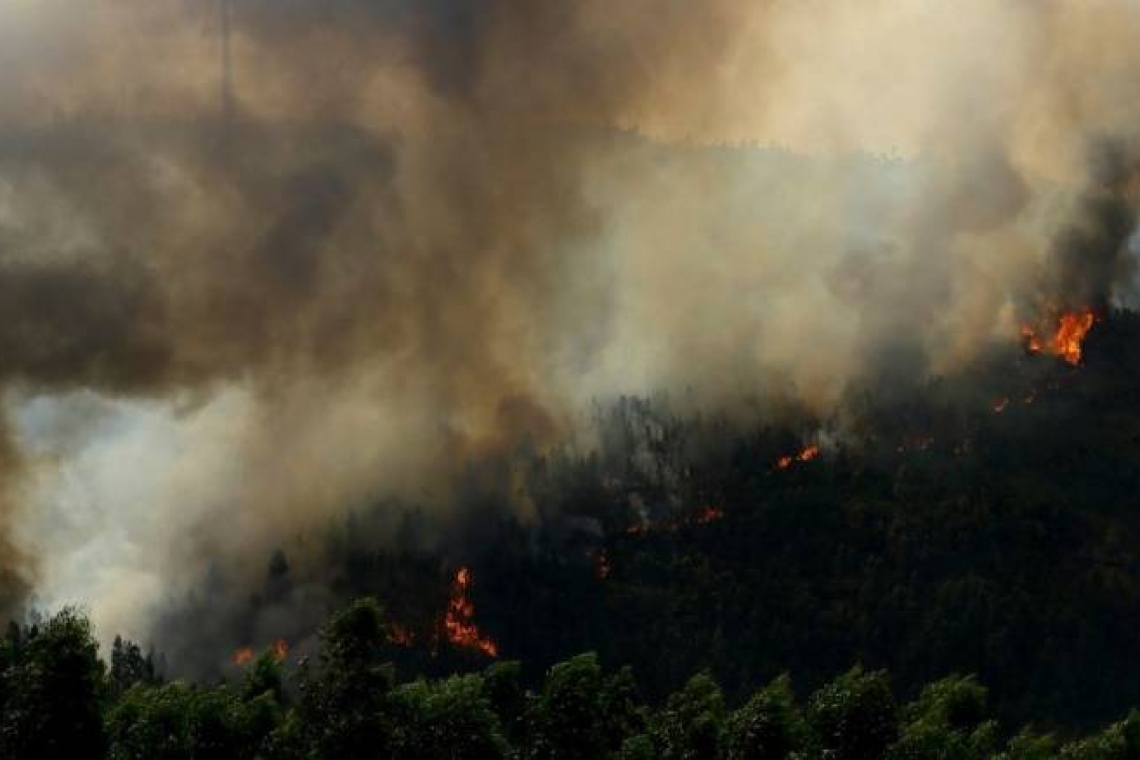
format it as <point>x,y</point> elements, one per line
<point>980,523</point>
<point>603,380</point>
<point>59,699</point>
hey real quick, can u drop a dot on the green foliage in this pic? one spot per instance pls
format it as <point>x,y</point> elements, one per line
<point>345,709</point>
<point>579,714</point>
<point>264,677</point>
<point>947,722</point>
<point>52,689</point>
<point>1028,745</point>
<point>854,716</point>
<point>129,666</point>
<point>767,727</point>
<point>502,687</point>
<point>177,721</point>
<point>59,701</point>
<point>1120,741</point>
<point>689,726</point>
<point>449,719</point>
<point>639,747</point>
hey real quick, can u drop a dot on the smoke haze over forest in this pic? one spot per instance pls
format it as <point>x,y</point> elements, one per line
<point>412,238</point>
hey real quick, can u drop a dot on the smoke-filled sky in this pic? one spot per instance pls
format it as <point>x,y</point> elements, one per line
<point>423,231</point>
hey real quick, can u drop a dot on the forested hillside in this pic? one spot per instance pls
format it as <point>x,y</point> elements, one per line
<point>981,523</point>
<point>58,699</point>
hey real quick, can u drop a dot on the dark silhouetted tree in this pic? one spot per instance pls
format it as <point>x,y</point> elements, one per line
<point>52,692</point>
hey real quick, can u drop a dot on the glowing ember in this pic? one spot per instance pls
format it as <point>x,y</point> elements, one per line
<point>1032,342</point>
<point>602,567</point>
<point>401,636</point>
<point>458,622</point>
<point>280,650</point>
<point>242,657</point>
<point>1065,342</point>
<point>708,514</point>
<point>808,454</point>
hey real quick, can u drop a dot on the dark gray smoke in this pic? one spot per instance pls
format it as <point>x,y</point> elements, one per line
<point>429,234</point>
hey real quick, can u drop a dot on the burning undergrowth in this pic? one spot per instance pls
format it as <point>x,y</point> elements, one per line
<point>379,259</point>
<point>467,590</point>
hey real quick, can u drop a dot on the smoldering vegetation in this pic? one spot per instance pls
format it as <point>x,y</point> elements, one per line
<point>392,269</point>
<point>981,521</point>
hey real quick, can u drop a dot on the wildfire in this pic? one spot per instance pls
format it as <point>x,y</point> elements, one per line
<point>244,656</point>
<point>1065,342</point>
<point>458,621</point>
<point>401,636</point>
<point>1032,342</point>
<point>1071,333</point>
<point>708,514</point>
<point>808,454</point>
<point>602,567</point>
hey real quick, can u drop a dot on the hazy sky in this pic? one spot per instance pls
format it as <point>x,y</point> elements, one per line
<point>433,229</point>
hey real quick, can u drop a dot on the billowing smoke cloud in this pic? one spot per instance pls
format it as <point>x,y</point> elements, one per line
<point>430,231</point>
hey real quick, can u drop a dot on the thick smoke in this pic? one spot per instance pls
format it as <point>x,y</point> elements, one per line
<point>429,233</point>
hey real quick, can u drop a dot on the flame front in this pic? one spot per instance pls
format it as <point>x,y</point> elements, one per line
<point>1071,333</point>
<point>808,454</point>
<point>1066,341</point>
<point>458,622</point>
<point>244,656</point>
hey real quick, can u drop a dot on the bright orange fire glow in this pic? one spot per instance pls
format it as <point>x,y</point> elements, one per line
<point>808,454</point>
<point>242,657</point>
<point>1065,342</point>
<point>458,622</point>
<point>1071,333</point>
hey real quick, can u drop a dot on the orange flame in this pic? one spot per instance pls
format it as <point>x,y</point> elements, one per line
<point>1071,333</point>
<point>808,454</point>
<point>280,650</point>
<point>458,622</point>
<point>242,657</point>
<point>1065,342</point>
<point>1032,342</point>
